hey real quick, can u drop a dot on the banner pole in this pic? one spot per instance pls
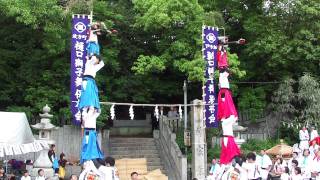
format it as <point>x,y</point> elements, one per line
<point>91,17</point>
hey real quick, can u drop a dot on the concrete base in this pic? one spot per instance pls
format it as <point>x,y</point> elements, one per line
<point>43,160</point>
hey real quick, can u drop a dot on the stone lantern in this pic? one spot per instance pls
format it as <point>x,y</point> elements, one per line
<point>237,129</point>
<point>45,127</point>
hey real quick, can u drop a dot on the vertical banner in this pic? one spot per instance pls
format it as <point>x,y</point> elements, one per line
<point>80,27</point>
<point>209,50</point>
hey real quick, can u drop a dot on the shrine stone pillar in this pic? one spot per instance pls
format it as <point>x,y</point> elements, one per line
<point>199,145</point>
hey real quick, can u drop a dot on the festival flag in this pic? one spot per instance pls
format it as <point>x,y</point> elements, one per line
<point>209,50</point>
<point>80,27</point>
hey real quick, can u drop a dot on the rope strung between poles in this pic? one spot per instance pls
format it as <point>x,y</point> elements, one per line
<point>151,105</point>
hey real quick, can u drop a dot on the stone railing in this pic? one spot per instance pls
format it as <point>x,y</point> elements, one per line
<point>175,161</point>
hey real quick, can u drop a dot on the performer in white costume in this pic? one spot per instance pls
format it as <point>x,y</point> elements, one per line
<point>304,139</point>
<point>313,133</point>
<point>223,79</point>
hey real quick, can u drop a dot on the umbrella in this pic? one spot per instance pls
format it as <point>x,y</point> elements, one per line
<point>281,149</point>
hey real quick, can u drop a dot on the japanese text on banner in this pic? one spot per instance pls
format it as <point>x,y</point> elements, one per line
<point>210,46</point>
<point>80,26</point>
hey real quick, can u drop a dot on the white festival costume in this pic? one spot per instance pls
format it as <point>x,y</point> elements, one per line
<point>92,68</point>
<point>304,139</point>
<point>227,128</point>
<point>313,134</point>
<point>223,80</point>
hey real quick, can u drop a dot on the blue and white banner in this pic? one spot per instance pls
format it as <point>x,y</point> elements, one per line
<point>209,50</point>
<point>80,27</point>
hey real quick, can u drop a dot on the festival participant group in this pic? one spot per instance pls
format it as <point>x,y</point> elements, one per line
<point>303,165</point>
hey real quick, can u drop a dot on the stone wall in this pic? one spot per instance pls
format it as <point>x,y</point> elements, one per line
<point>175,161</point>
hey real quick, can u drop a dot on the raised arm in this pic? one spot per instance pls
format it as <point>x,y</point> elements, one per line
<point>97,67</point>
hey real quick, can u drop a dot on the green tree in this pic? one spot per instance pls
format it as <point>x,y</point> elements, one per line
<point>298,106</point>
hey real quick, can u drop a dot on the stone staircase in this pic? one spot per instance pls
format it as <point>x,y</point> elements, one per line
<point>133,148</point>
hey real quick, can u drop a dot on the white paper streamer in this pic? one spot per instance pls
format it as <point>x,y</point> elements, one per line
<point>156,112</point>
<point>1,150</point>
<point>112,112</point>
<point>180,112</point>
<point>44,144</point>
<point>8,150</point>
<point>131,113</point>
<point>37,146</point>
<point>16,149</point>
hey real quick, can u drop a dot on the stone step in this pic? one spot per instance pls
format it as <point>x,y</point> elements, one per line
<point>132,145</point>
<point>154,163</point>
<point>151,168</point>
<point>132,148</point>
<point>136,156</point>
<point>129,140</point>
<point>134,152</point>
<point>137,148</point>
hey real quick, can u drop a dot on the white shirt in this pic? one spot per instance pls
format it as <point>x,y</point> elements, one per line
<point>312,148</point>
<point>223,80</point>
<point>215,171</point>
<point>304,161</point>
<point>303,135</point>
<point>228,173</point>
<point>243,172</point>
<point>284,176</point>
<point>296,177</point>
<point>25,178</point>
<point>109,173</point>
<point>253,170</point>
<point>92,68</point>
<point>40,178</point>
<point>93,36</point>
<point>315,165</point>
<point>227,125</point>
<point>306,164</point>
<point>88,167</point>
<point>265,161</point>
<point>290,164</point>
<point>91,119</point>
<point>313,134</point>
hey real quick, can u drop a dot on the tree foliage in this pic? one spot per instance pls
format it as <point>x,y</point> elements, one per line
<point>298,102</point>
<point>158,46</point>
